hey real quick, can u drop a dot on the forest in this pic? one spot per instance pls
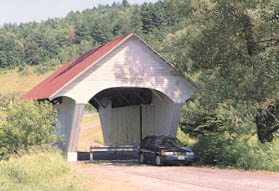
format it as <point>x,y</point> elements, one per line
<point>56,41</point>
<point>230,49</point>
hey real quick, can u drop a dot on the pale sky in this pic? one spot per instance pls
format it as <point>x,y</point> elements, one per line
<point>22,11</point>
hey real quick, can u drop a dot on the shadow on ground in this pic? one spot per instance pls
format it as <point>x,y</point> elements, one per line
<point>116,159</point>
<point>108,155</point>
<point>114,162</point>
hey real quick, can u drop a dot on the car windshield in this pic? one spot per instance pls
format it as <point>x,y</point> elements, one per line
<point>169,142</point>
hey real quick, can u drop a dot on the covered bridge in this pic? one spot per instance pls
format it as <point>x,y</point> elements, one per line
<point>135,90</point>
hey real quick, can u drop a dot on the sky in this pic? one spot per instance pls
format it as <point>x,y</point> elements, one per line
<point>22,11</point>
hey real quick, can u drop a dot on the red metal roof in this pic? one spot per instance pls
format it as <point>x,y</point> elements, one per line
<point>72,69</point>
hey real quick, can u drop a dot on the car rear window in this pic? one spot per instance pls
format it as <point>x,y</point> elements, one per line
<point>148,142</point>
<point>168,142</point>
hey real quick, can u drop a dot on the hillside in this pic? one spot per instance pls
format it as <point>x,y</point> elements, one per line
<point>16,84</point>
<point>56,41</point>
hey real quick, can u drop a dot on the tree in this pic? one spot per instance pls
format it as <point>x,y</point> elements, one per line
<point>136,20</point>
<point>123,20</point>
<point>149,17</point>
<point>70,35</point>
<point>125,3</point>
<point>231,48</point>
<point>102,32</point>
<point>11,50</point>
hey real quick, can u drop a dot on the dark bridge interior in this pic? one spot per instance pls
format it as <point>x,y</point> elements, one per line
<point>121,97</point>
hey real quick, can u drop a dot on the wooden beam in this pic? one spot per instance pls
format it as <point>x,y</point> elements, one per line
<point>98,102</point>
<point>158,95</point>
<point>141,127</point>
<point>139,97</point>
<point>124,98</point>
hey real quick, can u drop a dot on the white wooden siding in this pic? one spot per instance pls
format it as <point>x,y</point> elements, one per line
<point>160,118</point>
<point>122,125</point>
<point>132,64</point>
<point>69,122</point>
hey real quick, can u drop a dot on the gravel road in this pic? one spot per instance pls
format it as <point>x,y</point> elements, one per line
<point>178,178</point>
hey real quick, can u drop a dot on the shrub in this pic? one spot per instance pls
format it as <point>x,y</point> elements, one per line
<point>240,153</point>
<point>209,150</point>
<point>26,124</point>
<point>259,157</point>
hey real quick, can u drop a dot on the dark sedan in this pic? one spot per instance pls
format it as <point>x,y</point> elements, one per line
<point>163,149</point>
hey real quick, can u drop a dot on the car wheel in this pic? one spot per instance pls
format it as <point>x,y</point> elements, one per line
<point>187,163</point>
<point>158,161</point>
<point>141,158</point>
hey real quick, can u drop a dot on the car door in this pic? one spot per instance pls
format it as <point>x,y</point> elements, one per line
<point>148,149</point>
<point>144,147</point>
<point>151,151</point>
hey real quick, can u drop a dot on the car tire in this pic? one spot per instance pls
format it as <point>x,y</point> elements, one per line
<point>158,161</point>
<point>187,163</point>
<point>141,158</point>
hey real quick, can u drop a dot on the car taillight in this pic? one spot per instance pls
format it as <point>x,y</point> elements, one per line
<point>167,153</point>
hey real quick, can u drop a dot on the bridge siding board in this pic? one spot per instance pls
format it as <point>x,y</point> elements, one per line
<point>132,64</point>
<point>121,126</point>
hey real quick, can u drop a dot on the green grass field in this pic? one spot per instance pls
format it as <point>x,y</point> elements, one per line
<point>16,84</point>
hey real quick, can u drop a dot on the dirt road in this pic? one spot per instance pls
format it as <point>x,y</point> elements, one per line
<point>136,177</point>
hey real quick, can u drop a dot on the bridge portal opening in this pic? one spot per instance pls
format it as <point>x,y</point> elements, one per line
<point>127,115</point>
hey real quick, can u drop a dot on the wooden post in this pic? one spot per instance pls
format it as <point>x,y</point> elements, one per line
<point>91,157</point>
<point>140,122</point>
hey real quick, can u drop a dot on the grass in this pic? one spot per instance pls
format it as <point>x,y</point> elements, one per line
<point>91,132</point>
<point>98,138</point>
<point>37,170</point>
<point>88,119</point>
<point>16,84</point>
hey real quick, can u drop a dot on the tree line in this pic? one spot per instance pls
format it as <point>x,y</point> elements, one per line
<point>56,41</point>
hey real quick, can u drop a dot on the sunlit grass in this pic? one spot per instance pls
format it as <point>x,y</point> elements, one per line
<point>89,119</point>
<point>91,132</point>
<point>14,83</point>
<point>41,169</point>
<point>98,138</point>
<point>184,138</point>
